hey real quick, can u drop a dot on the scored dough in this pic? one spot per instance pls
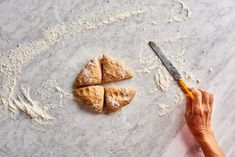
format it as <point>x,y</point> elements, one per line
<point>96,72</point>
<point>116,98</point>
<point>91,74</point>
<point>92,96</point>
<point>113,70</point>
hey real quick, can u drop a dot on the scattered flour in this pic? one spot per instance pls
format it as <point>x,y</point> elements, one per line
<point>189,76</point>
<point>11,65</point>
<point>113,102</point>
<point>162,79</point>
<point>126,94</point>
<point>185,13</point>
<point>62,93</point>
<point>87,75</point>
<point>178,60</point>
<point>179,99</point>
<point>30,107</point>
<point>148,64</point>
<point>49,88</point>
<point>122,72</point>
<point>163,109</point>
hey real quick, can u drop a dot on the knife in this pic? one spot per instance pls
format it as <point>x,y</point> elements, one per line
<point>172,70</point>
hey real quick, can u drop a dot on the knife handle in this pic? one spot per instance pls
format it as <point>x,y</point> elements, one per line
<point>185,89</point>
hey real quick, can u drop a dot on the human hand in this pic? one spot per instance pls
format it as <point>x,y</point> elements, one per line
<point>198,112</point>
<point>198,118</point>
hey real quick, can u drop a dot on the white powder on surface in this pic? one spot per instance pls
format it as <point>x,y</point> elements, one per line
<point>49,88</point>
<point>46,89</point>
<point>162,76</point>
<point>185,13</point>
<point>87,75</point>
<point>148,64</point>
<point>11,65</point>
<point>63,94</point>
<point>179,99</point>
<point>30,107</point>
<point>122,73</point>
<point>185,8</point>
<point>113,102</point>
<point>162,79</point>
<point>178,60</point>
<point>163,110</point>
<point>126,94</point>
<point>189,76</point>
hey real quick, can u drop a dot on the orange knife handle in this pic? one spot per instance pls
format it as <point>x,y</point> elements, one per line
<point>185,88</point>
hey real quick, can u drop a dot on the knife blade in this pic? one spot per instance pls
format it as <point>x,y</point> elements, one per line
<point>169,66</point>
<point>171,69</point>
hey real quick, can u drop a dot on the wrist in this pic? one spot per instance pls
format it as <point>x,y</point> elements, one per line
<point>209,145</point>
<point>205,137</point>
<point>203,134</point>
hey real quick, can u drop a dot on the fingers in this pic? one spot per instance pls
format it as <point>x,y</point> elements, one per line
<point>205,96</point>
<point>205,101</point>
<point>211,100</point>
<point>198,111</point>
<point>201,104</point>
<point>188,109</point>
<point>197,101</point>
<point>198,95</point>
<point>208,97</point>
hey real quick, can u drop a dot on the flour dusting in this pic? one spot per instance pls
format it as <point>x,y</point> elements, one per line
<point>87,73</point>
<point>162,79</point>
<point>11,65</point>
<point>163,109</point>
<point>49,88</point>
<point>148,64</point>
<point>184,14</point>
<point>113,102</point>
<point>189,76</point>
<point>179,99</point>
<point>178,60</point>
<point>126,94</point>
<point>30,107</point>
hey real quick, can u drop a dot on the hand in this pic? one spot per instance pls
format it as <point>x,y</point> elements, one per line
<point>198,118</point>
<point>198,112</point>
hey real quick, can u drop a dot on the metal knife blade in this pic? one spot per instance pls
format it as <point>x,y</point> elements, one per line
<point>169,66</point>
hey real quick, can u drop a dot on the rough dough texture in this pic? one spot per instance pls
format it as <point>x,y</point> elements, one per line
<point>113,70</point>
<point>116,98</point>
<point>92,96</point>
<point>91,74</point>
<point>98,71</point>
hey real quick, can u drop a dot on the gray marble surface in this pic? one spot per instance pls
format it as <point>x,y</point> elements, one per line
<point>207,39</point>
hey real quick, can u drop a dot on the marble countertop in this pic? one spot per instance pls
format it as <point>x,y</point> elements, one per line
<point>203,30</point>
